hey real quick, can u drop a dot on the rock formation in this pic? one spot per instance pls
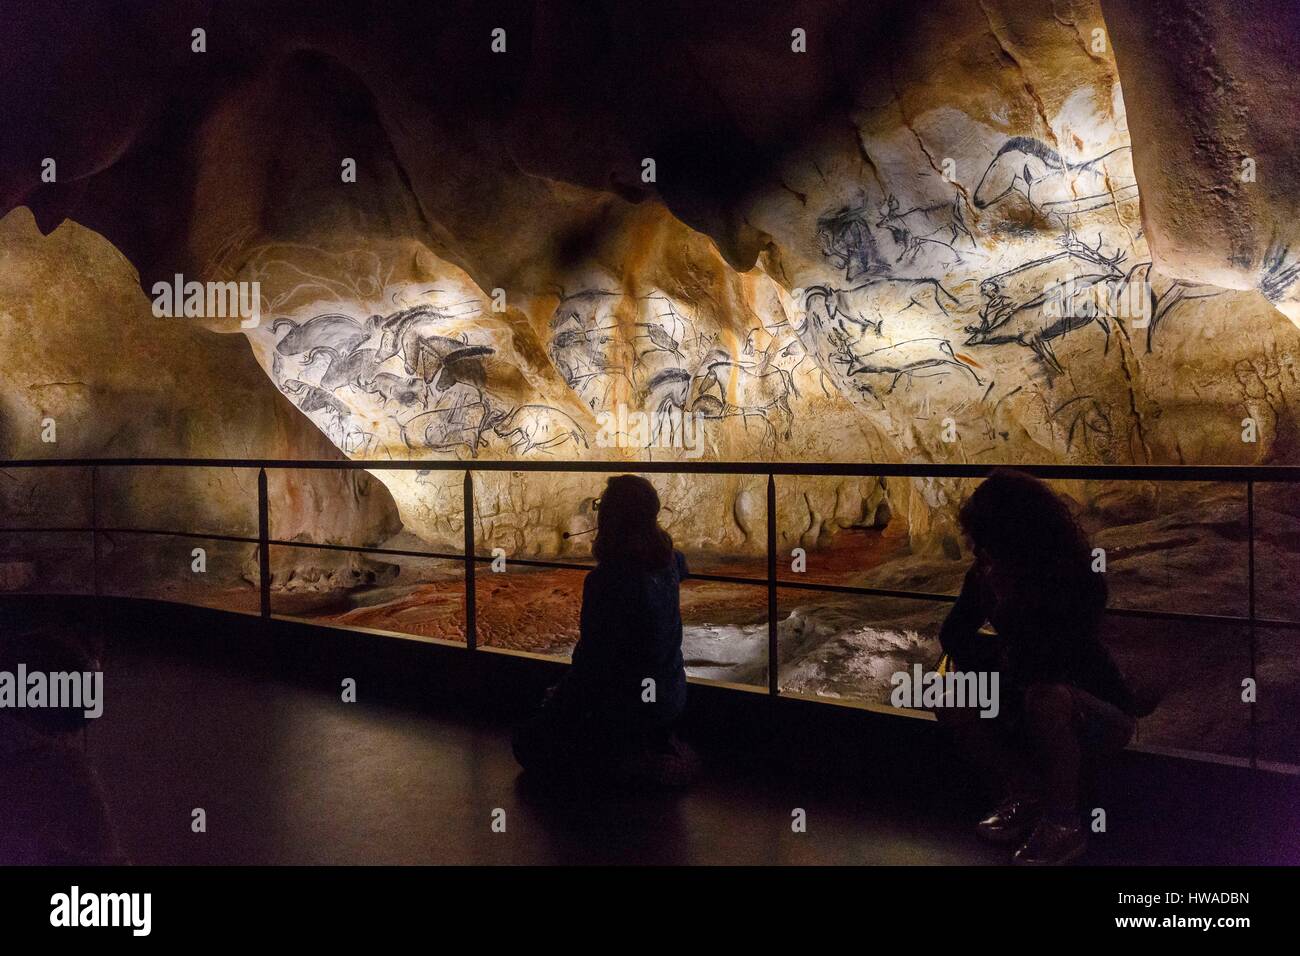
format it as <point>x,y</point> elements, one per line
<point>828,234</point>
<point>960,231</point>
<point>88,372</point>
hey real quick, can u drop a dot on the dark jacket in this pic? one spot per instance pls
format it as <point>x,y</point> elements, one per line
<point>631,631</point>
<point>1048,623</point>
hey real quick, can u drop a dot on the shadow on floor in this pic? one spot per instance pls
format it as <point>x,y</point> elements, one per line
<point>287,774</point>
<point>246,723</point>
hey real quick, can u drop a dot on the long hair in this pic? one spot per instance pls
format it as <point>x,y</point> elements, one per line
<point>1024,525</point>
<point>627,525</point>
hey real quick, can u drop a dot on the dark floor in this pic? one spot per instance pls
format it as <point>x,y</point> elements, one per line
<point>291,774</point>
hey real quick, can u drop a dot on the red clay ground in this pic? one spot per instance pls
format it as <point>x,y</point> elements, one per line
<point>536,609</point>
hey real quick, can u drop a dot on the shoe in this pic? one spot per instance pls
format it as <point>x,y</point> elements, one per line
<point>1010,821</point>
<point>1052,844</point>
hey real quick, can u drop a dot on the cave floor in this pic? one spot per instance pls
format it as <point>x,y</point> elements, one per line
<point>290,775</point>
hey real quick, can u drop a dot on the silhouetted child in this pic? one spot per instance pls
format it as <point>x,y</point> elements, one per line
<point>1061,695</point>
<point>613,714</point>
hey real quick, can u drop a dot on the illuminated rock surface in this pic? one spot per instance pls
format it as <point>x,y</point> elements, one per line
<point>126,384</point>
<point>968,231</point>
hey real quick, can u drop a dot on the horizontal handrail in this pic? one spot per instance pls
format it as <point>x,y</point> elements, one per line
<point>1188,617</point>
<point>1247,475</point>
<point>1282,474</point>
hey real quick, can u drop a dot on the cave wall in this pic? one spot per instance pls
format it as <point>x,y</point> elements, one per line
<point>913,241</point>
<point>1213,92</point>
<point>87,371</point>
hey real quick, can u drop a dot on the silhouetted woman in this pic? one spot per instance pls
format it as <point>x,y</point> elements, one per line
<point>615,709</point>
<point>1061,695</point>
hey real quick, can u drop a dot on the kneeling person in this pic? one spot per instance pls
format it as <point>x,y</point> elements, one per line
<point>614,712</point>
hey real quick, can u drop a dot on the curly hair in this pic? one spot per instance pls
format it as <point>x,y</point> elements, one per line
<point>1021,523</point>
<point>627,525</point>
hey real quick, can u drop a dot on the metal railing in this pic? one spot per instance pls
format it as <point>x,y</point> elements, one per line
<point>1248,476</point>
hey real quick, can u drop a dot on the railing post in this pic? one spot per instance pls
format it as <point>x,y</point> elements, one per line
<point>263,544</point>
<point>1250,613</point>
<point>471,609</point>
<point>773,663</point>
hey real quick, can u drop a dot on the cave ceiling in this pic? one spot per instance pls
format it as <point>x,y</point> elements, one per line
<point>965,230</point>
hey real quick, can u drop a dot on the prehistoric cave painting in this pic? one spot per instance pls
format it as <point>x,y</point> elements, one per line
<point>850,330</point>
<point>861,306</point>
<point>846,240</point>
<point>660,341</point>
<point>582,364</point>
<point>455,424</point>
<point>1089,425</point>
<point>586,345</point>
<point>1051,184</point>
<point>666,393</point>
<point>462,425</point>
<point>932,234</point>
<point>1039,301</point>
<point>462,366</point>
<point>419,372</point>
<point>835,307</point>
<point>415,334</point>
<point>761,392</point>
<point>660,336</point>
<point>878,371</point>
<point>364,444</point>
<point>357,368</point>
<point>342,333</point>
<point>538,428</point>
<point>1043,299</point>
<point>1176,294</point>
<point>756,385</point>
<point>913,270</point>
<point>405,391</point>
<point>647,349</point>
<point>924,228</point>
<point>1281,271</point>
<point>1161,302</point>
<point>359,276</point>
<point>312,399</point>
